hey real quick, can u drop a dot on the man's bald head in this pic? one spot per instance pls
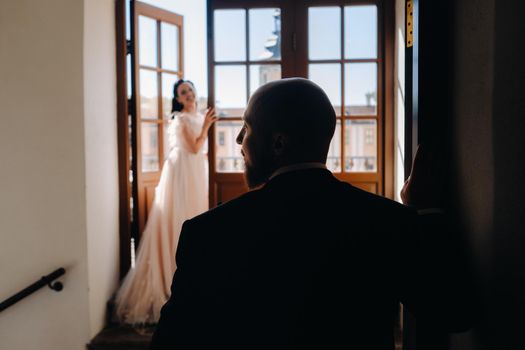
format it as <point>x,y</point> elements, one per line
<point>299,109</point>
<point>286,122</point>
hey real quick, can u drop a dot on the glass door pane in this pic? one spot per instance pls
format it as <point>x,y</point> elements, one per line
<point>147,41</point>
<point>168,82</point>
<point>230,90</point>
<point>328,77</point>
<point>360,31</point>
<point>230,35</point>
<point>228,157</point>
<point>261,74</point>
<point>361,89</point>
<point>324,33</point>
<point>149,95</point>
<point>150,147</point>
<point>361,145</point>
<point>169,46</point>
<point>265,34</point>
<point>333,160</point>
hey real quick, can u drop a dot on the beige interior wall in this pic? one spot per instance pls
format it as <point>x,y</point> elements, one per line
<point>101,156</point>
<point>43,197</point>
<point>59,182</point>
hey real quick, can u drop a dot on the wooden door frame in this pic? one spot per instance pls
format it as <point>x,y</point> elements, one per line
<point>150,178</point>
<point>123,136</point>
<point>128,219</point>
<point>384,177</point>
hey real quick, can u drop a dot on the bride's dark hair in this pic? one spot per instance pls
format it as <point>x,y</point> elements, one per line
<point>176,106</point>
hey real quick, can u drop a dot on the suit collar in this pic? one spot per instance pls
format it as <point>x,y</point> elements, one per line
<point>296,167</point>
<point>299,177</point>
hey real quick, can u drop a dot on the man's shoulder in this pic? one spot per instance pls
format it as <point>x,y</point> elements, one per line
<point>371,201</point>
<point>233,208</point>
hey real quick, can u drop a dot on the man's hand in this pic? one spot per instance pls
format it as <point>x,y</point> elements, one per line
<point>424,187</point>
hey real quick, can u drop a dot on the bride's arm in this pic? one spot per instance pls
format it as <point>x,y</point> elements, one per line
<point>195,143</point>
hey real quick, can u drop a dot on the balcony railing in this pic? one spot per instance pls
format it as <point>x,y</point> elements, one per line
<point>233,164</point>
<point>355,164</point>
<point>230,164</point>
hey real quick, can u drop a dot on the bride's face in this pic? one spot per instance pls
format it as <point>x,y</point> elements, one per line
<point>186,94</point>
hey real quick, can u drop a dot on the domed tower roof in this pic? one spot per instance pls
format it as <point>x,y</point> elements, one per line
<point>272,47</point>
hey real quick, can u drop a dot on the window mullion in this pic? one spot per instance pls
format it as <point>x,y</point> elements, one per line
<point>160,131</point>
<point>343,132</point>
<point>247,65</point>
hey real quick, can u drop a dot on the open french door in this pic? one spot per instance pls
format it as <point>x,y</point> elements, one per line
<point>149,62</point>
<point>158,64</point>
<point>344,46</point>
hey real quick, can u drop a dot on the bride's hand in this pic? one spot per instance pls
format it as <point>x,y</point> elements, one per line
<point>209,119</point>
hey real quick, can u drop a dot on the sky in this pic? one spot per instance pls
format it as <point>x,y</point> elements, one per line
<point>230,45</point>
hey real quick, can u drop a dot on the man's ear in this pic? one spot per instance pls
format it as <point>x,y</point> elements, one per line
<point>280,142</point>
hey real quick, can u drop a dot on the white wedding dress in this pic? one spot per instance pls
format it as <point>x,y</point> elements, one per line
<point>182,193</point>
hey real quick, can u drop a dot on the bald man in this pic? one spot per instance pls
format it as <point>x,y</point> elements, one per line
<point>302,261</point>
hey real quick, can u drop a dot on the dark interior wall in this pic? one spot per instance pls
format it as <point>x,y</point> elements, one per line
<point>472,142</point>
<point>488,124</point>
<point>431,112</point>
<point>508,289</point>
<point>472,106</point>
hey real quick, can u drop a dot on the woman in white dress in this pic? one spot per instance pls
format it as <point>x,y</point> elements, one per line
<point>182,193</point>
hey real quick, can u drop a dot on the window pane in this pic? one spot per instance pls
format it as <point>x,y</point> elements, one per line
<point>230,90</point>
<point>147,41</point>
<point>149,108</point>
<point>261,74</point>
<point>265,34</point>
<point>333,161</point>
<point>361,146</point>
<point>170,46</point>
<point>361,89</point>
<point>149,139</point>
<point>228,156</point>
<point>361,31</point>
<point>128,15</point>
<point>166,138</point>
<point>324,33</point>
<point>168,80</point>
<point>128,75</point>
<point>230,35</point>
<point>328,77</point>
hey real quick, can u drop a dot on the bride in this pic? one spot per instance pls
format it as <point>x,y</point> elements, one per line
<point>182,193</point>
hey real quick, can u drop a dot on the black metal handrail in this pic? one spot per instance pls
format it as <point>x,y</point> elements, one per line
<point>45,280</point>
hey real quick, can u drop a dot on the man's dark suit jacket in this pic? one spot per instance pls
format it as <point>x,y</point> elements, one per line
<point>305,262</point>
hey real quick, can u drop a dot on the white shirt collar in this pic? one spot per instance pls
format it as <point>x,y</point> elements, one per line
<point>298,166</point>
